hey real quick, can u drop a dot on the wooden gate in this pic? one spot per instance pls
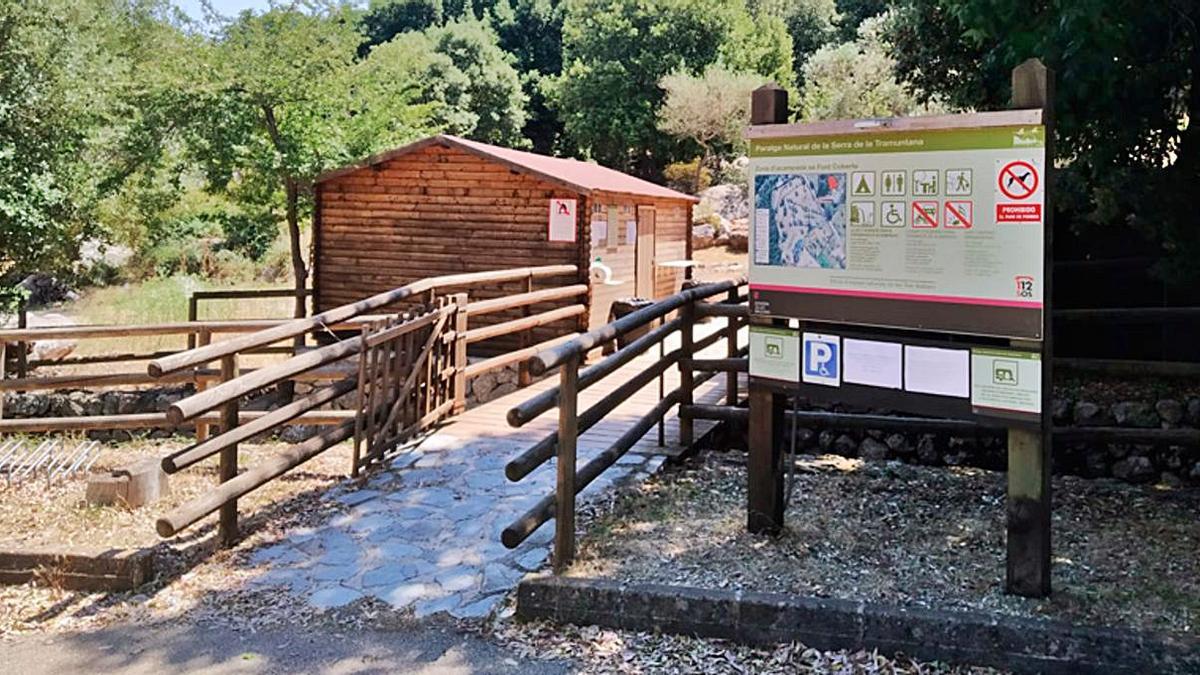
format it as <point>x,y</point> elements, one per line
<point>408,377</point>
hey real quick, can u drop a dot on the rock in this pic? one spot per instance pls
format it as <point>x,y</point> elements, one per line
<point>804,437</point>
<point>1193,412</point>
<point>825,440</point>
<point>503,389</point>
<point>1095,463</point>
<point>1088,414</point>
<point>1170,410</point>
<point>927,450</point>
<point>26,405</point>
<point>739,235</point>
<point>1194,474</point>
<point>1134,469</point>
<point>1135,414</point>
<point>1060,410</point>
<point>704,236</point>
<point>297,433</point>
<point>729,201</point>
<point>45,289</point>
<point>1170,480</point>
<point>845,446</point>
<point>1172,457</point>
<point>898,444</point>
<point>872,449</point>
<point>482,386</point>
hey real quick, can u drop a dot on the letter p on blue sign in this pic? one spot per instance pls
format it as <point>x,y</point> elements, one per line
<point>822,360</point>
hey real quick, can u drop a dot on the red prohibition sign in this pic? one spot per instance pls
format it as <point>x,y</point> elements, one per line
<point>1018,179</point>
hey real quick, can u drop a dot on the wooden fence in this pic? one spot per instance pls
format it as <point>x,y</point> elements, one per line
<point>408,370</point>
<point>567,357</point>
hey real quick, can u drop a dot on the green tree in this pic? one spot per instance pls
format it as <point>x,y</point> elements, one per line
<point>274,99</point>
<point>710,110</point>
<point>852,13</point>
<point>385,19</point>
<point>1126,105</point>
<point>531,30</point>
<point>856,79</point>
<point>615,52</point>
<point>760,43</point>
<point>810,24</point>
<point>463,74</point>
<point>66,68</point>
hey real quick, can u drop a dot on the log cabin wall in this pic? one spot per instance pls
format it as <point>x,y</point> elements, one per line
<point>619,251</point>
<point>437,210</point>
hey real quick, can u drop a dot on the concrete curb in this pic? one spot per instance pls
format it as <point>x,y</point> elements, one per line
<point>78,569</point>
<point>1014,643</point>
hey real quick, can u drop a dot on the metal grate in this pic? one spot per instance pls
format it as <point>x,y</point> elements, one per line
<point>21,461</point>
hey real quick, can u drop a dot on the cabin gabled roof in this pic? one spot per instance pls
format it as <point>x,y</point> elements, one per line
<point>572,174</point>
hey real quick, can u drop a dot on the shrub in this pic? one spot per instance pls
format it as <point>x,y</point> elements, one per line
<point>681,176</point>
<point>249,235</point>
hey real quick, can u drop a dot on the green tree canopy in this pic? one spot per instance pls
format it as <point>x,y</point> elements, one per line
<point>855,79</point>
<point>615,52</point>
<point>710,110</point>
<point>1127,100</point>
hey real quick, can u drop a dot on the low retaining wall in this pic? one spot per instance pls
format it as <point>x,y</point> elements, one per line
<point>1134,463</point>
<point>77,569</point>
<point>1016,644</point>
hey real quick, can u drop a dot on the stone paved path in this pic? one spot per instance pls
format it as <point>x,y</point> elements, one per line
<point>425,532</point>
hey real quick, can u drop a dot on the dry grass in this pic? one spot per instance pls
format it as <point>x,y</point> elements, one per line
<point>193,578</point>
<point>907,535</point>
<point>718,263</point>
<point>32,514</point>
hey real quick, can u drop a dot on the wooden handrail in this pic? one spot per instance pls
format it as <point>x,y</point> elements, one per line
<point>556,356</point>
<point>296,327</point>
<point>523,299</point>
<point>524,323</point>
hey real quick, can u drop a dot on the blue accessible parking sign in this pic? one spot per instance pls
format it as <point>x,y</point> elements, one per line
<point>822,359</point>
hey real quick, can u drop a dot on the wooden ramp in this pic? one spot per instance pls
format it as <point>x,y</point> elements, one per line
<point>488,421</point>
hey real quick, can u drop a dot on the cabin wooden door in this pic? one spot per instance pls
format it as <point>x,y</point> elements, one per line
<point>644,268</point>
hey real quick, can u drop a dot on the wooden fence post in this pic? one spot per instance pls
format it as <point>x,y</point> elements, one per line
<point>568,427</point>
<point>360,402</point>
<point>1028,512</point>
<point>193,314</point>
<point>202,428</point>
<point>460,353</point>
<point>3,372</point>
<point>686,380</point>
<point>227,530</point>
<point>731,350</point>
<point>23,346</point>
<point>524,379</point>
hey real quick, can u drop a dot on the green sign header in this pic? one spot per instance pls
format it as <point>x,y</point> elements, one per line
<point>884,141</point>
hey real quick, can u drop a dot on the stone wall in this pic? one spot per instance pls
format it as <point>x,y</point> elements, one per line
<point>82,403</point>
<point>1135,463</point>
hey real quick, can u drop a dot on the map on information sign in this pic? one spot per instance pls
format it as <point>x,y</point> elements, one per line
<point>807,219</point>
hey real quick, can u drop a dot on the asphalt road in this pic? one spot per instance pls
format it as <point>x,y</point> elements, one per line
<point>177,647</point>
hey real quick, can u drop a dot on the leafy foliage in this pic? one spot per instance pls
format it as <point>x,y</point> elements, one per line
<point>855,79</point>
<point>1128,95</point>
<point>710,110</point>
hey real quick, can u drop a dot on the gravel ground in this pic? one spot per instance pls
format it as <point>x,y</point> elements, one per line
<point>909,535</point>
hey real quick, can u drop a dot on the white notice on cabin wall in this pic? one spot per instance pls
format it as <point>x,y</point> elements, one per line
<point>562,220</point>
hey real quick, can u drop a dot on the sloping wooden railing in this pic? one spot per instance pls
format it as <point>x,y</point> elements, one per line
<point>568,356</point>
<point>408,370</point>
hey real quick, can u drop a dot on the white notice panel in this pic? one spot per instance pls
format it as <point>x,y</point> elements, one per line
<point>932,370</point>
<point>562,220</point>
<point>873,363</point>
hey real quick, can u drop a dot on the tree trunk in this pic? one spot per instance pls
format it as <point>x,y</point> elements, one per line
<point>700,170</point>
<point>299,271</point>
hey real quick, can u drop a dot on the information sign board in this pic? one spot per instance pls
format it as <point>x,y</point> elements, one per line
<point>932,224</point>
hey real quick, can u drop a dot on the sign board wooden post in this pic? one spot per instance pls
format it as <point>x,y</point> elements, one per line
<point>914,254</point>
<point>765,506</point>
<point>1028,518</point>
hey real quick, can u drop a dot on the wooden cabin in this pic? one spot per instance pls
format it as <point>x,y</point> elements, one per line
<point>446,205</point>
